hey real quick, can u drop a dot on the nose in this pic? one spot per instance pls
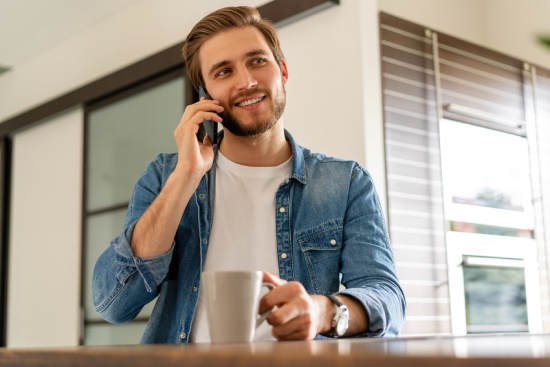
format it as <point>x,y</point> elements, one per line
<point>245,79</point>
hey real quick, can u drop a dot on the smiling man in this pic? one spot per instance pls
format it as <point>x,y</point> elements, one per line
<point>256,201</point>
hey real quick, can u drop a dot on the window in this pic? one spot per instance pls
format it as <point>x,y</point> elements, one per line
<point>494,283</point>
<point>122,137</point>
<point>492,253</point>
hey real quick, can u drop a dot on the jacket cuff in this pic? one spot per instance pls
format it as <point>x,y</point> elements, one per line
<point>379,313</point>
<point>152,270</point>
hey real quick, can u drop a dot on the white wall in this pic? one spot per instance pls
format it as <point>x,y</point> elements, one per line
<point>462,18</point>
<point>512,27</point>
<point>324,94</point>
<point>45,230</point>
<point>506,26</point>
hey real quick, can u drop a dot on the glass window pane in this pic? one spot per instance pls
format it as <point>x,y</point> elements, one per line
<point>107,334</point>
<point>486,176</point>
<point>126,135</point>
<point>495,299</point>
<point>485,167</point>
<point>492,230</point>
<point>100,231</point>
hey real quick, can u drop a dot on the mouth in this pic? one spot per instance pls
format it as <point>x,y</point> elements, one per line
<point>250,102</point>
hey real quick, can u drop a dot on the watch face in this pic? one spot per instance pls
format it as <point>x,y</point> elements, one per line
<point>343,321</point>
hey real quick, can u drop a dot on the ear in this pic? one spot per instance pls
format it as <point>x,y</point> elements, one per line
<point>284,72</point>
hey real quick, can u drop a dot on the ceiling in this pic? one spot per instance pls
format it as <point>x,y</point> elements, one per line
<point>30,27</point>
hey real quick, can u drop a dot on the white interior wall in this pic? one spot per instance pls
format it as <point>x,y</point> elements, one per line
<point>373,134</point>
<point>461,18</point>
<point>324,92</point>
<point>506,26</point>
<point>45,230</point>
<point>512,27</point>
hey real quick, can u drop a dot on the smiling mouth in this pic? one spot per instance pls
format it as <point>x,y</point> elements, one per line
<point>250,102</point>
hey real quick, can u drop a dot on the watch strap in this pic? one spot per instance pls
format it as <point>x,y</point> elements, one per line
<point>334,300</point>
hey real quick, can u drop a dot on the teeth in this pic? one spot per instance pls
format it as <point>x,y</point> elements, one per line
<point>249,102</point>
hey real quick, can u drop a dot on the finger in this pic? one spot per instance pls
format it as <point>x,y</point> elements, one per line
<point>287,312</point>
<point>204,105</point>
<point>291,299</point>
<point>200,116</point>
<point>298,335</point>
<point>191,126</point>
<point>209,104</point>
<point>270,278</point>
<point>299,328</point>
<point>208,115</point>
<point>271,301</point>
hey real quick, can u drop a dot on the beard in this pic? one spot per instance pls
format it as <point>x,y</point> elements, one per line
<point>260,126</point>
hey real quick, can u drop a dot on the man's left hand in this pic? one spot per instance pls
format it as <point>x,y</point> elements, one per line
<point>299,316</point>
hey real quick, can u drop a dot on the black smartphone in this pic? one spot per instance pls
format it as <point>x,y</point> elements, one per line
<point>208,126</point>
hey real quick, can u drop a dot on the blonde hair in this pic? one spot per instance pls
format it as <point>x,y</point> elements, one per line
<point>220,20</point>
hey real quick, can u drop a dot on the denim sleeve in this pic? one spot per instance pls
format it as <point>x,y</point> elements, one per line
<point>368,269</point>
<point>123,283</point>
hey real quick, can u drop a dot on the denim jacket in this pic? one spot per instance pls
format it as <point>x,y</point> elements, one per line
<point>331,226</point>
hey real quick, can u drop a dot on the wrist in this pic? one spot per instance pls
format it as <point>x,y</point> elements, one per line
<point>186,175</point>
<point>340,317</point>
<point>326,314</point>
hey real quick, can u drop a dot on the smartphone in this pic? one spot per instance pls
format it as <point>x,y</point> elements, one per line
<point>207,126</point>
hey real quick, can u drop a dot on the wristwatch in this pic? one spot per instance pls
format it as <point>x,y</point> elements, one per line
<point>340,321</point>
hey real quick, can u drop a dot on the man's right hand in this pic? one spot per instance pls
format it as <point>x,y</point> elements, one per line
<point>195,157</point>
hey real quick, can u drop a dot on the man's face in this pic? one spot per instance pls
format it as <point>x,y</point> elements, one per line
<point>240,71</point>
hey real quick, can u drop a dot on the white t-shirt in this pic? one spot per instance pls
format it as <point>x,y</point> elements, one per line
<point>243,233</point>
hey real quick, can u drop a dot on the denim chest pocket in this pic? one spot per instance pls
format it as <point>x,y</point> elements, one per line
<point>321,248</point>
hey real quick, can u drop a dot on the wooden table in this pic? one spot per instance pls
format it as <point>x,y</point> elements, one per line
<point>490,350</point>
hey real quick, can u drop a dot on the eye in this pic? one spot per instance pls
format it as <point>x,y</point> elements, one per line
<point>259,61</point>
<point>223,72</point>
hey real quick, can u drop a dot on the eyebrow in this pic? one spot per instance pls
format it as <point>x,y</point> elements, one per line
<point>223,63</point>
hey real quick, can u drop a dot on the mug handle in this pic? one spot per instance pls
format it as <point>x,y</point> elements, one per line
<point>264,315</point>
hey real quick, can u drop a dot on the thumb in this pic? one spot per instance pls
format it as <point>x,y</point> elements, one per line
<point>270,278</point>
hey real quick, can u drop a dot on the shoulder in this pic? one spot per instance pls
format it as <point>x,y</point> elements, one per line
<point>322,162</point>
<point>160,168</point>
<point>165,162</point>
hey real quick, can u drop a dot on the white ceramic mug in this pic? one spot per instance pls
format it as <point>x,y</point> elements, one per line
<point>232,299</point>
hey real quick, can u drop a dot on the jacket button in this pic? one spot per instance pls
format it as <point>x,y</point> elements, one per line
<point>283,255</point>
<point>194,289</point>
<point>282,209</point>
<point>183,335</point>
<point>333,242</point>
<point>202,196</point>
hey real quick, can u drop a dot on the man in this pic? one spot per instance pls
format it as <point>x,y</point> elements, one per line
<point>257,201</point>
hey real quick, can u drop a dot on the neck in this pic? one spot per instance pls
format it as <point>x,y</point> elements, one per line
<point>265,150</point>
